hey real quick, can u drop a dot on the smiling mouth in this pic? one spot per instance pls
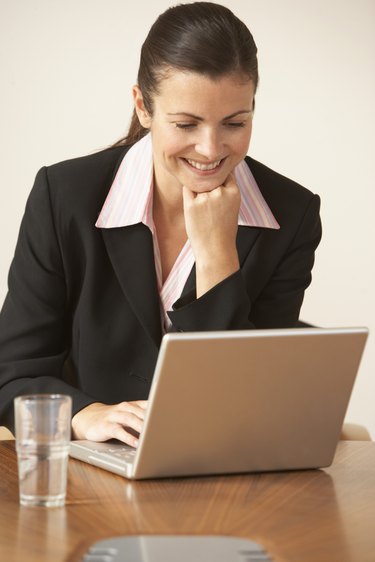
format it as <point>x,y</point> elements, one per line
<point>209,167</point>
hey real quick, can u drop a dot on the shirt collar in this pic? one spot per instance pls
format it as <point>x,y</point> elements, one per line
<point>129,200</point>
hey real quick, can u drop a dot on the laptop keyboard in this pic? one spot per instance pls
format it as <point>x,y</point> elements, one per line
<point>124,453</point>
<point>118,453</point>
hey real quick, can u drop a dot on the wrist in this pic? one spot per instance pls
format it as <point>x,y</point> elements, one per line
<point>210,274</point>
<point>81,419</point>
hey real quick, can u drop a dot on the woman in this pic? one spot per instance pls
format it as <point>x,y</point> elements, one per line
<point>174,228</point>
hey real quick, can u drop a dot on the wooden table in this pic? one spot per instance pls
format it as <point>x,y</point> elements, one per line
<point>307,516</point>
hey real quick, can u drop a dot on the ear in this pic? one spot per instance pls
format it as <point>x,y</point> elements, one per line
<point>142,113</point>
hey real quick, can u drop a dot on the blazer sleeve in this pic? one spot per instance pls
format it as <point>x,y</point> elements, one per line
<point>34,332</point>
<point>279,301</point>
<point>266,292</point>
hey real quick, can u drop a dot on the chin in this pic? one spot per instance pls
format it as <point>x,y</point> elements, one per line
<point>203,188</point>
<point>198,185</point>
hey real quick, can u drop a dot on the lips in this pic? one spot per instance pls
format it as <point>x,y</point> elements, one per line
<point>204,167</point>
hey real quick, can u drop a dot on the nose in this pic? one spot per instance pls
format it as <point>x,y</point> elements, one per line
<point>209,144</point>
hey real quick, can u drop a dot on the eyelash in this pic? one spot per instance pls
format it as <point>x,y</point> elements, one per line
<point>190,126</point>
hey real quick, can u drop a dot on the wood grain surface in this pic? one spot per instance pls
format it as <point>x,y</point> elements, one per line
<point>303,516</point>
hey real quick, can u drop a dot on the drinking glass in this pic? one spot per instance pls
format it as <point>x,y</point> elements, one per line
<point>43,426</point>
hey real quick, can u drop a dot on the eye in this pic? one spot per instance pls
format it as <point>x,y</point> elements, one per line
<point>185,126</point>
<point>235,124</point>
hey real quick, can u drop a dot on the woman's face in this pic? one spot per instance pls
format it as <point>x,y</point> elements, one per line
<point>200,128</point>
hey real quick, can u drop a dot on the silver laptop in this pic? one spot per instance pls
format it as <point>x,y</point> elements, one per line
<point>240,401</point>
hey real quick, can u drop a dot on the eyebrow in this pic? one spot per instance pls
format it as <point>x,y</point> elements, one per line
<point>192,116</point>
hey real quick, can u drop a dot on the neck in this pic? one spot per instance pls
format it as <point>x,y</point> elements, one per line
<point>168,205</point>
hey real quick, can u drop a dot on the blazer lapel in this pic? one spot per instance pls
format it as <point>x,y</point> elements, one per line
<point>130,250</point>
<point>246,238</point>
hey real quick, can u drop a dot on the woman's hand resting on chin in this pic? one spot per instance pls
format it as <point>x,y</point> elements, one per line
<point>211,221</point>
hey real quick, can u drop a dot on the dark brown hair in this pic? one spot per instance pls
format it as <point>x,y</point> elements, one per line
<point>200,37</point>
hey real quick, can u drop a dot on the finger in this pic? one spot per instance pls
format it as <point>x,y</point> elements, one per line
<point>120,433</point>
<point>109,428</point>
<point>131,407</point>
<point>127,419</point>
<point>188,194</point>
<point>141,403</point>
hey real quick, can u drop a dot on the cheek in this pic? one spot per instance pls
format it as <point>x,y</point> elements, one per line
<point>170,145</point>
<point>244,141</point>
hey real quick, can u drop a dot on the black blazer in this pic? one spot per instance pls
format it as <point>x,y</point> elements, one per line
<point>82,313</point>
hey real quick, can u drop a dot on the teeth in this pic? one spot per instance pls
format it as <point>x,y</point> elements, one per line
<point>203,167</point>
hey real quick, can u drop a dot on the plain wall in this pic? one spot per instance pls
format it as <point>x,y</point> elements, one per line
<point>67,67</point>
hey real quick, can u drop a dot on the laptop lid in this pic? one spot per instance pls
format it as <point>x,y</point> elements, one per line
<point>244,401</point>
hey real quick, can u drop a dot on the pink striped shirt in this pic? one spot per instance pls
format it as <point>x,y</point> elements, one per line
<point>129,201</point>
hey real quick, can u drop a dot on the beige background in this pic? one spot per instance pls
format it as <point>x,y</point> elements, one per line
<point>67,67</point>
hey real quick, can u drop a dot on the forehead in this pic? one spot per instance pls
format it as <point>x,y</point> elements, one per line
<point>183,91</point>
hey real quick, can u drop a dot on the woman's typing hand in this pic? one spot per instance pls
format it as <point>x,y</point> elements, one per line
<point>100,422</point>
